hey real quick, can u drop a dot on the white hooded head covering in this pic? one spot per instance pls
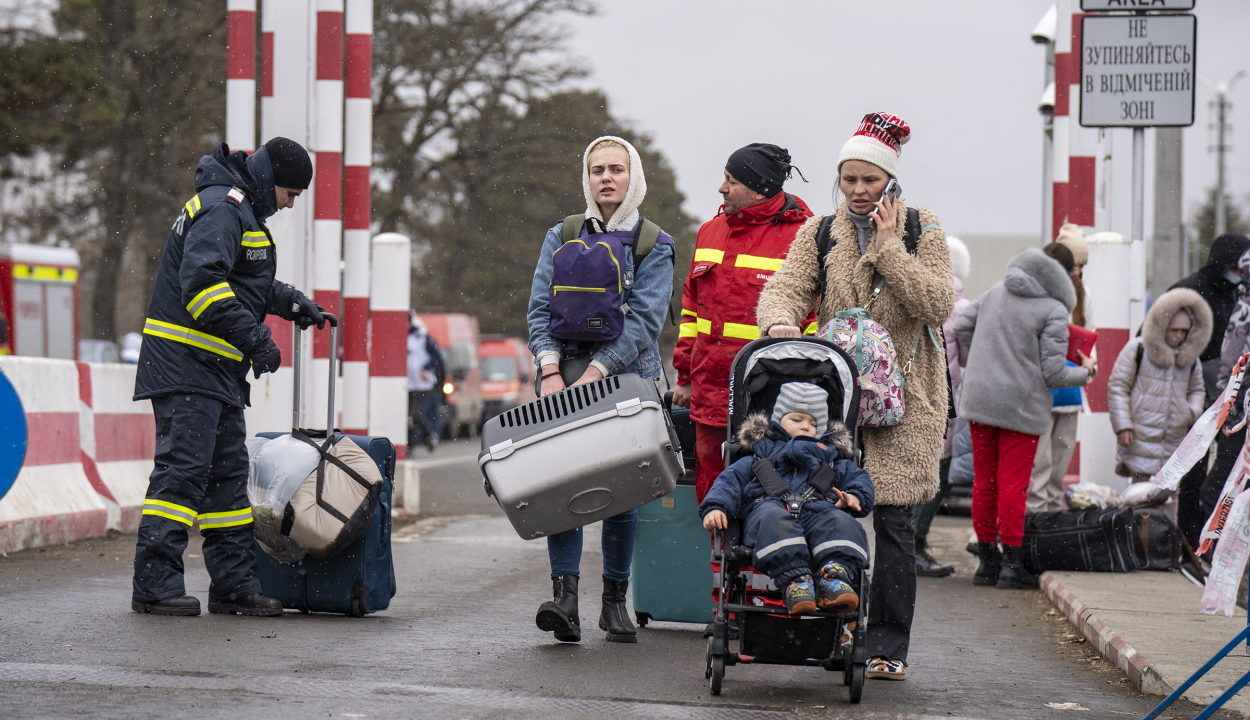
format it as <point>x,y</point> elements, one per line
<point>626,216</point>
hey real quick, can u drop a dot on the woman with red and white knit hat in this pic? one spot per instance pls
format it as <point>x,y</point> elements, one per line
<point>867,232</point>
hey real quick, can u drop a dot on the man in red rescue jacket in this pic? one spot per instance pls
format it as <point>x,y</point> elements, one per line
<point>735,254</point>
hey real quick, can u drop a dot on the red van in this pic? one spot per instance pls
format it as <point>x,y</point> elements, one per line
<point>457,338</point>
<point>507,374</point>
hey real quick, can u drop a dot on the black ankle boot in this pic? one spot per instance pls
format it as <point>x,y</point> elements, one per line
<point>184,605</point>
<point>991,564</point>
<point>926,565</point>
<point>1014,576</point>
<point>560,615</point>
<point>615,618</point>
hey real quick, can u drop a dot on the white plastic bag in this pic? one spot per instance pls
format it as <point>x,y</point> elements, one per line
<point>1085,494</point>
<point>276,468</point>
<point>1144,494</point>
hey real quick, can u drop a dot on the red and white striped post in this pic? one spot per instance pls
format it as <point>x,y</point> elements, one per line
<point>1083,142</point>
<point>241,74</point>
<point>328,196</point>
<point>1111,286</point>
<point>388,347</point>
<point>1066,71</point>
<point>357,159</point>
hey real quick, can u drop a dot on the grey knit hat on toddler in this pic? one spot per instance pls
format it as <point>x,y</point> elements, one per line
<point>806,398</point>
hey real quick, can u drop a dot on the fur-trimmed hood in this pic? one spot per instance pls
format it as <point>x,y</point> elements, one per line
<point>1154,328</point>
<point>1032,274</point>
<point>756,427</point>
<point>626,216</point>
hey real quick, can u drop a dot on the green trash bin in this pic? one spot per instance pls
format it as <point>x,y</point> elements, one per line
<point>672,577</point>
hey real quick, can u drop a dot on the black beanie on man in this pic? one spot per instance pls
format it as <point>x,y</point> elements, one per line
<point>761,167</point>
<point>292,168</point>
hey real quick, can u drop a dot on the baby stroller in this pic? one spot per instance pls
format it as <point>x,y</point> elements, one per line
<point>766,634</point>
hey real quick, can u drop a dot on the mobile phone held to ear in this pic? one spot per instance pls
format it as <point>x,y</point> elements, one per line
<point>892,190</point>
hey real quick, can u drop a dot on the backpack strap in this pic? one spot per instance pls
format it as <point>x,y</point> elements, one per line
<point>644,240</point>
<point>767,474</point>
<point>824,243</point>
<point>572,228</point>
<point>1141,351</point>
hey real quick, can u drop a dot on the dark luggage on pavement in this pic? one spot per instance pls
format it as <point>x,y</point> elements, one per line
<point>358,579</point>
<point>1096,540</point>
<point>671,577</point>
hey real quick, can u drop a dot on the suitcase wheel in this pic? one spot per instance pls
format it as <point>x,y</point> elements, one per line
<point>642,618</point>
<point>358,599</point>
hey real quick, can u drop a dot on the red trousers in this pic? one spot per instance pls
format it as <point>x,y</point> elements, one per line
<point>708,461</point>
<point>1002,463</point>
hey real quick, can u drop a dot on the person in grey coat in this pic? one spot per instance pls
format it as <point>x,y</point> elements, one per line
<point>1017,338</point>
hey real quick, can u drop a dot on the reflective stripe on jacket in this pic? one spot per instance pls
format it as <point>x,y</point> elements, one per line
<point>734,257</point>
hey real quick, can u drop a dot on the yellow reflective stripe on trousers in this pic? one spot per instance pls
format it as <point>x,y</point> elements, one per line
<point>193,206</point>
<point>208,296</point>
<point>160,508</point>
<point>811,329</point>
<point>229,518</point>
<point>703,326</point>
<point>177,333</point>
<point>262,242</point>
<point>687,330</point>
<point>742,332</point>
<point>709,255</point>
<point>758,263</point>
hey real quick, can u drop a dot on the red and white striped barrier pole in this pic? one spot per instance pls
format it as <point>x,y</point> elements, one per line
<point>241,74</point>
<point>388,351</point>
<point>1066,70</point>
<point>288,30</point>
<point>1110,287</point>
<point>357,159</point>
<point>328,197</point>
<point>1083,142</point>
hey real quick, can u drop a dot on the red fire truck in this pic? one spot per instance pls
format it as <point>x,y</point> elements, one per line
<point>457,338</point>
<point>507,374</point>
<point>39,300</point>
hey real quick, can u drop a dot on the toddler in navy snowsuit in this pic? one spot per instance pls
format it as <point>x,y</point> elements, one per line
<point>797,442</point>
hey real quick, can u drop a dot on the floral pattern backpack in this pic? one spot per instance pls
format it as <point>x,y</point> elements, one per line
<point>882,381</point>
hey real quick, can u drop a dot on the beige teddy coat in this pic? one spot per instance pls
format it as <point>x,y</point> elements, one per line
<point>902,459</point>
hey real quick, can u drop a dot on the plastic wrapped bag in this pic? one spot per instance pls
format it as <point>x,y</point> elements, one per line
<point>1144,494</point>
<point>1084,495</point>
<point>276,469</point>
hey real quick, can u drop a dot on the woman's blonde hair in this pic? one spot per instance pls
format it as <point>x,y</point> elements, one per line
<point>605,143</point>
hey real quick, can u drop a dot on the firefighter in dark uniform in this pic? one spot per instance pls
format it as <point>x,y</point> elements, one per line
<point>205,329</point>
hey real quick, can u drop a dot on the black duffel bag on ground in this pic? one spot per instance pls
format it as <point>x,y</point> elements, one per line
<point>1094,540</point>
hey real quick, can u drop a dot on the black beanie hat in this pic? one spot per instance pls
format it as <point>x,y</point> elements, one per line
<point>292,168</point>
<point>760,166</point>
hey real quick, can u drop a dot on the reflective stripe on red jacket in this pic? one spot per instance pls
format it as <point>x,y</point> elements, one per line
<point>733,257</point>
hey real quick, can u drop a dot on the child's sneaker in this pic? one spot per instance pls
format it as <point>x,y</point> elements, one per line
<point>801,596</point>
<point>834,591</point>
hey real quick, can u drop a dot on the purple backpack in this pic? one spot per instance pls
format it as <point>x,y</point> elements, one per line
<point>588,279</point>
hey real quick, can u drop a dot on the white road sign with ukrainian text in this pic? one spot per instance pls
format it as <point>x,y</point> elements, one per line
<point>1138,71</point>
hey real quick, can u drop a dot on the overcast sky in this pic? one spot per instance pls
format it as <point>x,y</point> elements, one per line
<point>704,78</point>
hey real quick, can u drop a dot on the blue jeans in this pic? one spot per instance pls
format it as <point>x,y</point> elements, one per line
<point>565,549</point>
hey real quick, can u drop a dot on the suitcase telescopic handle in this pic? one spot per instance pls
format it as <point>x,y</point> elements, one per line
<point>297,362</point>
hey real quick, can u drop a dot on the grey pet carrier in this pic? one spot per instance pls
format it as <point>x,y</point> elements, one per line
<point>580,455</point>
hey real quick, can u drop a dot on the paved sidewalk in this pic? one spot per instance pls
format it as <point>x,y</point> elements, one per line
<point>1149,623</point>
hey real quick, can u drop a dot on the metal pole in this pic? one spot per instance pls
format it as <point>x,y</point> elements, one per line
<point>1139,184</point>
<point>1206,667</point>
<point>1048,151</point>
<point>1221,226</point>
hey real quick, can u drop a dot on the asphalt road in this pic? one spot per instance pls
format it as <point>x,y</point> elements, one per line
<point>459,642</point>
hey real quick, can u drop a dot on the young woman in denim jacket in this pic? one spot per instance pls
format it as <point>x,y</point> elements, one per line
<point>614,186</point>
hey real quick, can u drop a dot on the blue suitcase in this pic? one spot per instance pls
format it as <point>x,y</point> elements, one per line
<point>361,578</point>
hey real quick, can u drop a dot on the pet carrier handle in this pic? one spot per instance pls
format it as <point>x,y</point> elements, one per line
<point>297,362</point>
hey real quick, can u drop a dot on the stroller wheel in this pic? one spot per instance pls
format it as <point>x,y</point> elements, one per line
<point>857,681</point>
<point>716,672</point>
